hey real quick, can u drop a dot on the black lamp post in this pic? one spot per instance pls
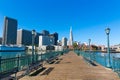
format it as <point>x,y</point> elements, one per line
<point>107,30</point>
<point>33,40</point>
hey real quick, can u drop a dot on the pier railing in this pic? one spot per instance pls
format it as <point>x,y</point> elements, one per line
<point>116,65</point>
<point>101,58</point>
<point>9,66</point>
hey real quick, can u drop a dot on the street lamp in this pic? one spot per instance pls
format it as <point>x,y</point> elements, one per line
<point>107,30</point>
<point>33,40</point>
<point>89,40</point>
<point>89,44</point>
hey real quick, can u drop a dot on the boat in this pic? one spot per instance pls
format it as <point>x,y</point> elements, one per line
<point>6,48</point>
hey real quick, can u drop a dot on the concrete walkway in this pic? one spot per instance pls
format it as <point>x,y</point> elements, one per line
<point>73,67</point>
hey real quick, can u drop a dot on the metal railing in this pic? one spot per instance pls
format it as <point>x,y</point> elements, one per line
<point>116,65</point>
<point>22,62</point>
<point>101,59</point>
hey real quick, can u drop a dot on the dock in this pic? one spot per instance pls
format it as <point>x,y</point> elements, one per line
<point>73,67</point>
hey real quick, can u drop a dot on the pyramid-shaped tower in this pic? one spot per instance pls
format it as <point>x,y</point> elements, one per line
<point>71,38</point>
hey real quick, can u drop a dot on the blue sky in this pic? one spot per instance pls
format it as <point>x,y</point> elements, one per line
<point>88,18</point>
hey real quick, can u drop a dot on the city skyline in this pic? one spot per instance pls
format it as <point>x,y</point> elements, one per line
<point>88,18</point>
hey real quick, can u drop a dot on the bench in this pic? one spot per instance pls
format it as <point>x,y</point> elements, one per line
<point>52,59</point>
<point>8,72</point>
<point>89,61</point>
<point>34,66</point>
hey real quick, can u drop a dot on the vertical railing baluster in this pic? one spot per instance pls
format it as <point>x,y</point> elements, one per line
<point>116,65</point>
<point>0,64</point>
<point>113,59</point>
<point>105,60</point>
<point>18,62</point>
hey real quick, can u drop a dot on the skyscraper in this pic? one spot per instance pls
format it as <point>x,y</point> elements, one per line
<point>22,39</point>
<point>71,37</point>
<point>45,33</point>
<point>46,40</point>
<point>0,40</point>
<point>64,41</point>
<point>55,35</point>
<point>10,31</point>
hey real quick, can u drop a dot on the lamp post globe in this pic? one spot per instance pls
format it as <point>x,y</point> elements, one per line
<point>107,30</point>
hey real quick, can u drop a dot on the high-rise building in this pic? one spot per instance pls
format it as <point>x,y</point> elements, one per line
<point>55,35</point>
<point>0,40</point>
<point>10,31</point>
<point>59,42</point>
<point>45,33</point>
<point>64,41</point>
<point>71,37</point>
<point>46,40</point>
<point>24,37</point>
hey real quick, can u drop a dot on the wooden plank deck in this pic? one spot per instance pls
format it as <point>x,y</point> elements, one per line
<point>73,67</point>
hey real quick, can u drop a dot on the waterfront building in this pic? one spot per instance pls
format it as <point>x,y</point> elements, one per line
<point>46,40</point>
<point>46,43</point>
<point>102,47</point>
<point>64,41</point>
<point>58,48</point>
<point>78,43</point>
<point>0,40</point>
<point>46,47</point>
<point>59,43</point>
<point>24,37</point>
<point>10,31</point>
<point>45,33</point>
<point>55,35</point>
<point>68,43</point>
<point>115,48</point>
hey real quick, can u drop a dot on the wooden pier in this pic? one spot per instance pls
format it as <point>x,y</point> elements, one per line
<point>73,67</point>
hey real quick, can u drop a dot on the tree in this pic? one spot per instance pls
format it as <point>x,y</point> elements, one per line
<point>75,46</point>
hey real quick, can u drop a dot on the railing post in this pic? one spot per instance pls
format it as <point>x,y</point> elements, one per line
<point>118,65</point>
<point>18,65</point>
<point>105,61</point>
<point>0,67</point>
<point>27,71</point>
<point>113,64</point>
<point>36,57</point>
<point>0,64</point>
<point>18,60</point>
<point>41,56</point>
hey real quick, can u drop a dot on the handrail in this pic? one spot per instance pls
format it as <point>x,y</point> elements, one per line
<point>115,61</point>
<point>10,64</point>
